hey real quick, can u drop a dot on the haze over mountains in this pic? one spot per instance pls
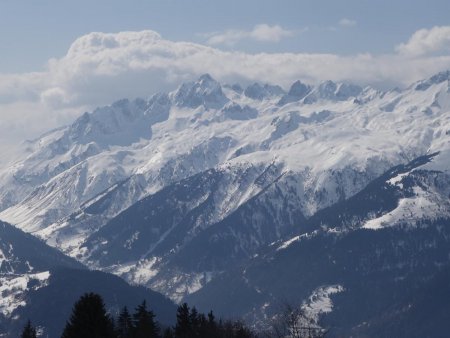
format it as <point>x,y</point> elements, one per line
<point>236,198</point>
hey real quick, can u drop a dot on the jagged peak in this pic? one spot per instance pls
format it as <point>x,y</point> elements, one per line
<point>107,121</point>
<point>235,111</point>
<point>159,98</point>
<point>327,88</point>
<point>435,79</point>
<point>205,91</point>
<point>347,90</point>
<point>257,91</point>
<point>299,88</point>
<point>206,78</point>
<point>334,91</point>
<point>297,91</point>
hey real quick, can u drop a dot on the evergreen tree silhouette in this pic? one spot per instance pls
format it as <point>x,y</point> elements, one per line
<point>145,325</point>
<point>211,327</point>
<point>194,320</point>
<point>89,319</point>
<point>125,325</point>
<point>183,326</point>
<point>28,331</point>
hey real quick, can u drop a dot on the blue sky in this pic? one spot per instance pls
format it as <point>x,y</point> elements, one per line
<point>60,58</point>
<point>31,32</point>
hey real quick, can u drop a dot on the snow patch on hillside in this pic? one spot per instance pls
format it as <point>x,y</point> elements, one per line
<point>136,273</point>
<point>285,244</point>
<point>320,301</point>
<point>397,179</point>
<point>423,205</point>
<point>178,284</point>
<point>13,287</point>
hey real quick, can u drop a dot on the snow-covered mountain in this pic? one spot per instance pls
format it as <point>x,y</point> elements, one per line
<point>376,264</point>
<point>171,191</point>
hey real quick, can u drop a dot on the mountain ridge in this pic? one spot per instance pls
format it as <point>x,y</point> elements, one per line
<point>269,162</point>
<point>35,276</point>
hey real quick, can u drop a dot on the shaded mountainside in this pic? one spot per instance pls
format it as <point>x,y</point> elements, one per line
<point>184,227</point>
<point>40,283</point>
<point>385,276</point>
<point>179,238</point>
<point>385,272</point>
<point>65,286</point>
<point>23,253</point>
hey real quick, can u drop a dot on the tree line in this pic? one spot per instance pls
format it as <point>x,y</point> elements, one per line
<point>89,319</point>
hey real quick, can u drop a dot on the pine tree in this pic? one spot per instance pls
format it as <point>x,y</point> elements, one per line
<point>89,319</point>
<point>194,321</point>
<point>209,326</point>
<point>145,325</point>
<point>212,320</point>
<point>124,324</point>
<point>28,331</point>
<point>183,326</point>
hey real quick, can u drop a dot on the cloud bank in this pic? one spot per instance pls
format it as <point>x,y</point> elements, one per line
<point>100,68</point>
<point>427,41</point>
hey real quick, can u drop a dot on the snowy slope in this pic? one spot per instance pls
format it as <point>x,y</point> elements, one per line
<point>327,142</point>
<point>354,279</point>
<point>25,264</point>
<point>202,125</point>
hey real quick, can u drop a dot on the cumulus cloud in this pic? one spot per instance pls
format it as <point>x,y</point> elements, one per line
<point>345,22</point>
<point>262,32</point>
<point>100,68</point>
<point>427,41</point>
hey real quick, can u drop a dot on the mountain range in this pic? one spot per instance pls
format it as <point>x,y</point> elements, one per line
<point>236,198</point>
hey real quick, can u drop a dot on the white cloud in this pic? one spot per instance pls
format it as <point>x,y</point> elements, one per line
<point>345,22</point>
<point>262,32</point>
<point>100,68</point>
<point>427,41</point>
<point>269,33</point>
